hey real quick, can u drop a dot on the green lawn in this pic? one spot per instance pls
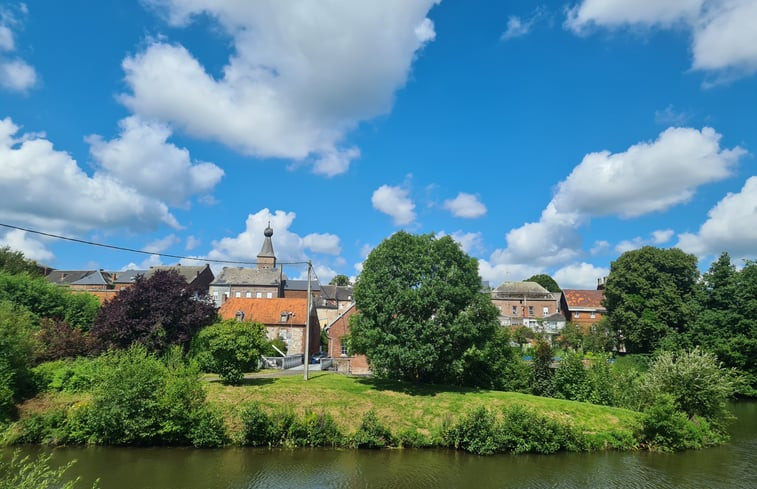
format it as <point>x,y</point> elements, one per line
<point>403,406</point>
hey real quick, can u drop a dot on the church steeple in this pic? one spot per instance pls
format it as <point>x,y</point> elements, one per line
<point>266,257</point>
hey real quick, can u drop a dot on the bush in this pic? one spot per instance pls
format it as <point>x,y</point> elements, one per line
<point>664,428</point>
<point>16,347</point>
<point>315,430</point>
<point>256,426</point>
<point>76,375</point>
<point>696,381</point>
<point>25,473</point>
<point>475,432</point>
<point>57,339</point>
<point>208,430</point>
<point>411,438</point>
<point>570,380</point>
<point>230,348</point>
<point>524,430</point>
<point>371,433</point>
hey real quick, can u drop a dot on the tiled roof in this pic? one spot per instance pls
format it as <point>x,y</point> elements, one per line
<point>248,276</point>
<point>266,311</point>
<point>338,292</point>
<point>584,299</point>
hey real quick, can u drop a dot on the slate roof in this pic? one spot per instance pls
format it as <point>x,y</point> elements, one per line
<point>248,276</point>
<point>126,276</point>
<point>558,316</point>
<point>267,311</point>
<point>188,272</point>
<point>338,292</point>
<point>584,299</point>
<point>97,277</point>
<point>521,288</point>
<point>301,285</point>
<point>67,277</point>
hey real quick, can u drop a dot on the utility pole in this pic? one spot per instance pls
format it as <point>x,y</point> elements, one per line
<point>307,323</point>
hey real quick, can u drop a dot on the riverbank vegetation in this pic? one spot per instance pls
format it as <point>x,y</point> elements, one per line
<point>130,373</point>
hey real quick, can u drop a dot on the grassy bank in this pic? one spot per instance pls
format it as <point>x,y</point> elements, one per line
<point>402,407</point>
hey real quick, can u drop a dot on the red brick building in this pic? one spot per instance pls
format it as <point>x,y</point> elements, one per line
<point>583,307</point>
<point>344,360</point>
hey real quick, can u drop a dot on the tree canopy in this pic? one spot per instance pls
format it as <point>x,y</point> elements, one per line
<point>340,280</point>
<point>545,281</point>
<point>14,262</point>
<point>158,312</point>
<point>649,297</point>
<point>422,315</point>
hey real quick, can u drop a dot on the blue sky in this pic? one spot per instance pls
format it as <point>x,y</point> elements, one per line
<point>544,137</point>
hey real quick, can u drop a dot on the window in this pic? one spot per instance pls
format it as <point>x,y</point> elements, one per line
<point>284,316</point>
<point>269,295</point>
<point>577,315</point>
<point>237,294</point>
<point>593,315</point>
<point>239,315</point>
<point>215,294</point>
<point>259,295</point>
<point>248,295</point>
<point>515,310</point>
<point>530,310</point>
<point>344,350</point>
<point>545,310</point>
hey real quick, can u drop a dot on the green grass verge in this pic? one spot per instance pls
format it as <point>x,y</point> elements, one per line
<point>402,406</point>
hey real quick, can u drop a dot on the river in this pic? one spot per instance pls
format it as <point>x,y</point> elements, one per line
<point>729,466</point>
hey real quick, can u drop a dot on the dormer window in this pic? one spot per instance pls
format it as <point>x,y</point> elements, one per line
<point>284,317</point>
<point>239,315</point>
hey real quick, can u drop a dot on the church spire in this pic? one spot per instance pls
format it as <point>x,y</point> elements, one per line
<point>266,257</point>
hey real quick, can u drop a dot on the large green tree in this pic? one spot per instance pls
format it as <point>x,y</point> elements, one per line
<point>649,297</point>
<point>545,281</point>
<point>340,280</point>
<point>726,322</point>
<point>422,315</point>
<point>12,261</point>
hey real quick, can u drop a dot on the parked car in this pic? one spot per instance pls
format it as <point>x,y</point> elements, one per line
<point>316,358</point>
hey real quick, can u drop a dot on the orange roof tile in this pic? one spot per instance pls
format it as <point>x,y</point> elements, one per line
<point>266,311</point>
<point>583,299</point>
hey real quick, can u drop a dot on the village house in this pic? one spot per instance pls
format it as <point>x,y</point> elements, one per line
<point>525,303</point>
<point>283,318</point>
<point>343,359</point>
<point>333,300</point>
<point>583,307</point>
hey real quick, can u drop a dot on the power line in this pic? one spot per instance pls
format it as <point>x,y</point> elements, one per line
<point>132,250</point>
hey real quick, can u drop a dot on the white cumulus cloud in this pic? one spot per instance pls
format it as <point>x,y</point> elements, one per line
<point>323,243</point>
<point>465,205</point>
<point>16,75</point>
<point>32,248</point>
<point>722,31</point>
<point>395,202</point>
<point>45,187</point>
<point>579,276</point>
<point>301,75</point>
<point>731,226</point>
<point>142,158</point>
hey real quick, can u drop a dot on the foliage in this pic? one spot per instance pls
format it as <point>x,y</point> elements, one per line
<point>157,312</point>
<point>47,300</point>
<point>649,296</point>
<point>67,375</point>
<point>340,280</point>
<point>230,348</point>
<point>664,428</point>
<point>571,380</point>
<point>726,322</point>
<point>269,351</point>
<point>56,339</point>
<point>256,426</point>
<point>372,433</point>
<point>285,429</point>
<point>26,473</point>
<point>14,262</point>
<point>522,334</point>
<point>697,383</point>
<point>421,309</point>
<point>518,430</point>
<point>541,377</point>
<point>16,349</point>
<point>545,281</point>
<point>316,430</point>
<point>496,366</point>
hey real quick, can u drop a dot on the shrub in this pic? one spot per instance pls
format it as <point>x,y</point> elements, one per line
<point>570,380</point>
<point>475,432</point>
<point>25,473</point>
<point>411,438</point>
<point>208,430</point>
<point>315,430</point>
<point>57,339</point>
<point>698,384</point>
<point>256,426</point>
<point>524,430</point>
<point>16,347</point>
<point>664,428</point>
<point>230,348</point>
<point>76,375</point>
<point>371,433</point>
